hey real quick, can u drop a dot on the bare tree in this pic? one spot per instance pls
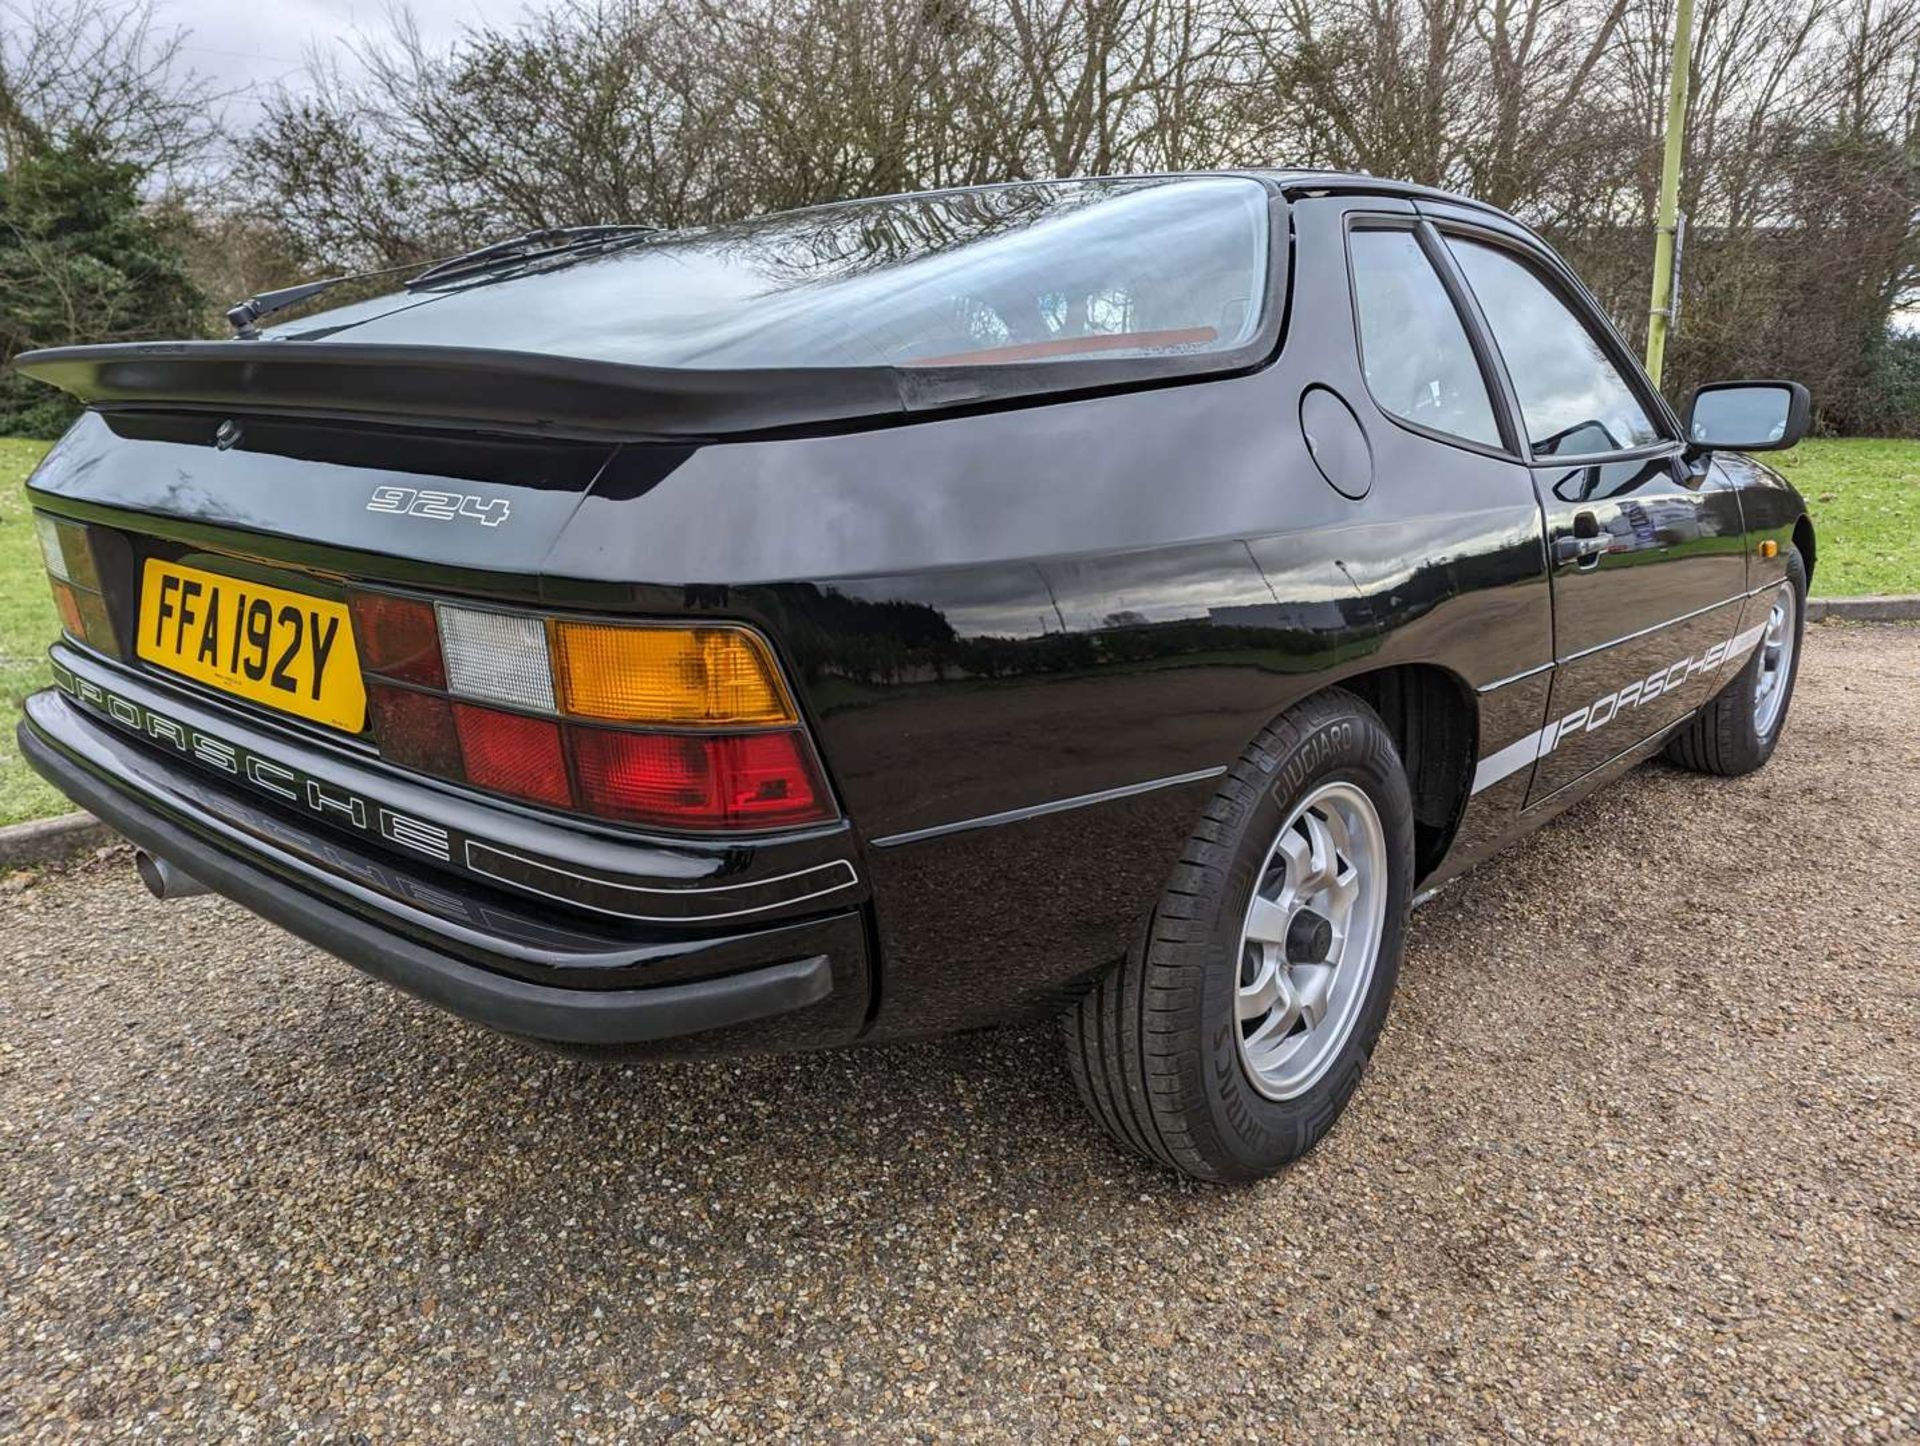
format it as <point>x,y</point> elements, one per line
<point>106,72</point>
<point>1800,178</point>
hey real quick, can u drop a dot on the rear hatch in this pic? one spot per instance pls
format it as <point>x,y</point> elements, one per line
<point>238,495</point>
<point>383,590</point>
<point>470,510</point>
<point>863,313</point>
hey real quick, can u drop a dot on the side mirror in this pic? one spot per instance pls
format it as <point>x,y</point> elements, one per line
<point>1747,416</point>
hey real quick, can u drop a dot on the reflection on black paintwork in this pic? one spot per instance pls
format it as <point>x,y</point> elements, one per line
<point>1607,480</point>
<point>1176,607</point>
<point>1395,584</point>
<point>299,491</point>
<point>1675,544</point>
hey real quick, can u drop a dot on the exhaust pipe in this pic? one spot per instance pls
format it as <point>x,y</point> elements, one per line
<point>165,880</point>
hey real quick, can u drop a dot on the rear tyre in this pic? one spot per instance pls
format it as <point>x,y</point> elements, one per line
<point>1228,1041</point>
<point>1737,731</point>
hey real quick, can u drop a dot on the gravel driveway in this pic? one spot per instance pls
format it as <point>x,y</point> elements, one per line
<point>1640,1157</point>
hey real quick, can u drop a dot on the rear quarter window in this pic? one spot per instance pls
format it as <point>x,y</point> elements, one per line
<point>1414,350</point>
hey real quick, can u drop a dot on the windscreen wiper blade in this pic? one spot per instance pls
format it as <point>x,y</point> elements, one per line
<point>533,244</point>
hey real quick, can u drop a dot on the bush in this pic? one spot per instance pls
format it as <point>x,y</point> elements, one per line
<point>82,260</point>
<point>1891,406</point>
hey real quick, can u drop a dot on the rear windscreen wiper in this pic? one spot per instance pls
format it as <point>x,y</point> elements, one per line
<point>531,246</point>
<point>255,308</point>
<point>243,316</point>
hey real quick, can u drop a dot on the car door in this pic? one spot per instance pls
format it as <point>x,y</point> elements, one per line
<point>1647,552</point>
<point>1444,554</point>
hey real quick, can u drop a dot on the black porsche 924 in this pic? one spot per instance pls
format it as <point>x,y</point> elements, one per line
<point>1113,598</point>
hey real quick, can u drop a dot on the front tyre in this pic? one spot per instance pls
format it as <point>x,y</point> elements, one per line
<point>1227,1043</point>
<point>1737,731</point>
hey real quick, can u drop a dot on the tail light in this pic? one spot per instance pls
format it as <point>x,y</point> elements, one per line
<point>512,753</point>
<point>399,639</point>
<point>660,724</point>
<point>75,579</point>
<point>709,676</point>
<point>744,779</point>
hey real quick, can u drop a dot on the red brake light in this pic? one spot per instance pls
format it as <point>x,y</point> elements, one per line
<point>643,775</point>
<point>768,778</point>
<point>698,781</point>
<point>513,754</point>
<point>399,638</point>
<point>415,730</point>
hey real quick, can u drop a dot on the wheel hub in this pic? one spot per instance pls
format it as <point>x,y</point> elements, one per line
<point>1309,938</point>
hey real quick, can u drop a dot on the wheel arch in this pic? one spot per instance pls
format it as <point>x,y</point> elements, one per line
<point>1803,540</point>
<point>1435,722</point>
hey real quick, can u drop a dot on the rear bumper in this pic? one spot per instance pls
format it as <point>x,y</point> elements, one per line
<point>794,984</point>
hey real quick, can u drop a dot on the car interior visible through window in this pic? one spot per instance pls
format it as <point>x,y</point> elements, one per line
<point>1036,272</point>
<point>1573,399</point>
<point>1414,350</point>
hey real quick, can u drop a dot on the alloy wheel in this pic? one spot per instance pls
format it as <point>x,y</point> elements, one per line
<point>1776,664</point>
<point>1310,939</point>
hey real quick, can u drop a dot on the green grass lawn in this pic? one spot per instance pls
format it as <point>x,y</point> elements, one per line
<point>1864,495</point>
<point>27,624</point>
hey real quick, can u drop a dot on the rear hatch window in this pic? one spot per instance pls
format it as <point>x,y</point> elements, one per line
<point>1041,273</point>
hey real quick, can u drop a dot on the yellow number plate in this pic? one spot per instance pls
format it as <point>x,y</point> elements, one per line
<point>265,644</point>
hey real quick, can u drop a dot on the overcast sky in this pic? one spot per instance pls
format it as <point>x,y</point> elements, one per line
<point>260,42</point>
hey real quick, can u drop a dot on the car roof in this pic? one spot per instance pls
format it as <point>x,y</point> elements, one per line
<point>1359,183</point>
<point>1292,180</point>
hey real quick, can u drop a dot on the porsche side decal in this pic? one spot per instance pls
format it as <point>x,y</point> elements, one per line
<point>1602,711</point>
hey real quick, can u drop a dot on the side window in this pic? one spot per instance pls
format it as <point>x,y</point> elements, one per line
<point>1414,350</point>
<point>1572,398</point>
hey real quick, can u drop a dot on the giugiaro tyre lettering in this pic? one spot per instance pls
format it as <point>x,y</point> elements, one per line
<point>1312,757</point>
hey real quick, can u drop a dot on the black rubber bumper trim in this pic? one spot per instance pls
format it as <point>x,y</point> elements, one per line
<point>572,1016</point>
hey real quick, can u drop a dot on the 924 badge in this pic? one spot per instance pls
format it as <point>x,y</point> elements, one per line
<point>438,506</point>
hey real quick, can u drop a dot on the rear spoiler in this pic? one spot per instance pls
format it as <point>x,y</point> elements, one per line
<point>563,396</point>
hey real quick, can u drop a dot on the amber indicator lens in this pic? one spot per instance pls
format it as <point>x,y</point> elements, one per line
<point>68,554</point>
<point>691,676</point>
<point>648,723</point>
<point>65,600</point>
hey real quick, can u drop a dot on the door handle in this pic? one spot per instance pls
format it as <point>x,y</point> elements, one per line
<point>1579,549</point>
<point>1584,545</point>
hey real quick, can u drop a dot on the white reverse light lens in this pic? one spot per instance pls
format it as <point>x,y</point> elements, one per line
<point>496,658</point>
<point>50,546</point>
